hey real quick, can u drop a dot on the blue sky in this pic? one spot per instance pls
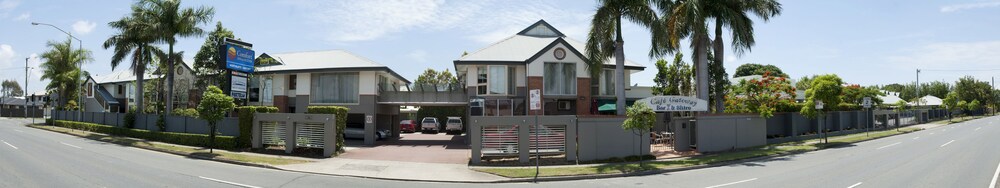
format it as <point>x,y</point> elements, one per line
<point>865,42</point>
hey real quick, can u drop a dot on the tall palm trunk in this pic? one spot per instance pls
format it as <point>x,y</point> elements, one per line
<point>701,51</point>
<point>140,73</point>
<point>720,100</point>
<point>169,102</point>
<point>619,70</point>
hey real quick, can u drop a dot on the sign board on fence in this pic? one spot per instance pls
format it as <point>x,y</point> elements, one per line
<point>672,103</point>
<point>536,99</point>
<point>867,102</point>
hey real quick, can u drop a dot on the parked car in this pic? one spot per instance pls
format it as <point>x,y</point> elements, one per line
<point>359,133</point>
<point>407,126</point>
<point>430,124</point>
<point>453,125</point>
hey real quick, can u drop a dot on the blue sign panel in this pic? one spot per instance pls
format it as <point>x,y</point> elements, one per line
<point>239,58</point>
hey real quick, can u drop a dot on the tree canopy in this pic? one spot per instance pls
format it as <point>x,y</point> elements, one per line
<point>761,96</point>
<point>60,67</point>
<point>758,69</point>
<point>825,88</point>
<point>673,79</point>
<point>440,81</point>
<point>11,88</point>
<point>206,61</point>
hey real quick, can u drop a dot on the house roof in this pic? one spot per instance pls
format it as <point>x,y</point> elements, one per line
<point>890,99</point>
<point>524,46</point>
<point>329,60</point>
<point>929,100</point>
<point>121,75</point>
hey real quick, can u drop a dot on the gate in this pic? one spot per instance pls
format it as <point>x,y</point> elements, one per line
<point>296,130</point>
<point>499,140</point>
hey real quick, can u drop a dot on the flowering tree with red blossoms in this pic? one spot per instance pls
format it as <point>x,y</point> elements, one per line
<point>761,96</point>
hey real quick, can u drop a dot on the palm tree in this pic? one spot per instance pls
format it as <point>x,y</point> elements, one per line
<point>134,41</point>
<point>169,21</point>
<point>60,68</point>
<point>605,39</point>
<point>733,15</point>
<point>688,18</point>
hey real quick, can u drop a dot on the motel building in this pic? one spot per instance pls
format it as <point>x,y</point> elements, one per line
<point>499,76</point>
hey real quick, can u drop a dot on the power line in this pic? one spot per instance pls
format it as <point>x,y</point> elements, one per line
<point>959,70</point>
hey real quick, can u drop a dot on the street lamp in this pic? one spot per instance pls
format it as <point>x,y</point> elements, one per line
<point>79,66</point>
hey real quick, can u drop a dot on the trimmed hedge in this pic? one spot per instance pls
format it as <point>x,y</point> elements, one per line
<point>340,112</point>
<point>186,112</point>
<point>245,114</point>
<point>200,140</point>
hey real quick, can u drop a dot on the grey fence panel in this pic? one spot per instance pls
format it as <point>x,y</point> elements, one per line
<point>725,132</point>
<point>603,138</point>
<point>175,123</point>
<point>99,118</point>
<point>229,126</point>
<point>802,124</point>
<point>110,119</point>
<point>844,120</point>
<point>777,125</point>
<point>197,126</point>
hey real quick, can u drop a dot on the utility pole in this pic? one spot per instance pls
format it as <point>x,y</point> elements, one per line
<point>25,94</point>
<point>918,89</point>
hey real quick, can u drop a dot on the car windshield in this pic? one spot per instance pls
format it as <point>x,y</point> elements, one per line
<point>429,120</point>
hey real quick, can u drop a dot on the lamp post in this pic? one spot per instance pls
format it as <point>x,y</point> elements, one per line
<point>79,66</point>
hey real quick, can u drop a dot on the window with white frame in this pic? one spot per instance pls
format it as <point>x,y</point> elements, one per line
<point>481,80</point>
<point>266,95</point>
<point>560,78</point>
<point>334,88</point>
<point>497,80</point>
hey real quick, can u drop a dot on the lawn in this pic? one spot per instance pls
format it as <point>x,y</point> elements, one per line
<point>769,150</point>
<point>169,148</point>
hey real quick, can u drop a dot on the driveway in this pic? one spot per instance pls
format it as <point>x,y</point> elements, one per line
<point>413,147</point>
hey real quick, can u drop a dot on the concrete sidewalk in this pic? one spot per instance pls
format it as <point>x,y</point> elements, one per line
<point>395,170</point>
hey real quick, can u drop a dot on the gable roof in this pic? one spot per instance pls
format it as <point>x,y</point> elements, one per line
<point>527,45</point>
<point>329,60</point>
<point>122,75</point>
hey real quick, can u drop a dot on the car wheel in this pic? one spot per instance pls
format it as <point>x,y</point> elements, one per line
<point>378,136</point>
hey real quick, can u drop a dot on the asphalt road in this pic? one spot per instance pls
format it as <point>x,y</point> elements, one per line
<point>960,155</point>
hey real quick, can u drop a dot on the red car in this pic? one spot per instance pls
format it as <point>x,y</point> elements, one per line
<point>407,126</point>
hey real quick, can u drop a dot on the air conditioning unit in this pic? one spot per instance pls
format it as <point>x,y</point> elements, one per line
<point>565,105</point>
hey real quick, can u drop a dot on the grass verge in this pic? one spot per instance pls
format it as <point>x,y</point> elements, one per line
<point>187,151</point>
<point>763,151</point>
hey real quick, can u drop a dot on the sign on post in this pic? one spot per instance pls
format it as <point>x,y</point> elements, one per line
<point>238,85</point>
<point>535,99</point>
<point>673,103</point>
<point>819,104</point>
<point>239,58</point>
<point>867,102</point>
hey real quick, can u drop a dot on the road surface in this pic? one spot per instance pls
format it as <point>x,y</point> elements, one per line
<point>959,155</point>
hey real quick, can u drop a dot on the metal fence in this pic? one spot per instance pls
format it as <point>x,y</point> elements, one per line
<point>228,126</point>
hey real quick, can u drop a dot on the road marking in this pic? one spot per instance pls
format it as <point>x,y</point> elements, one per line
<point>19,131</point>
<point>70,145</point>
<point>993,184</point>
<point>893,144</point>
<point>916,138</point>
<point>230,183</point>
<point>5,142</point>
<point>977,128</point>
<point>945,144</point>
<point>932,133</point>
<point>728,184</point>
<point>855,185</point>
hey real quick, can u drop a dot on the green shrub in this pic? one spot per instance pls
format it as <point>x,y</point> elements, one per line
<point>186,112</point>
<point>198,140</point>
<point>788,106</point>
<point>340,112</point>
<point>130,118</point>
<point>245,114</point>
<point>848,107</point>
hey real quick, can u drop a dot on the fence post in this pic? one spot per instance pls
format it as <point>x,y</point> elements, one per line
<point>289,136</point>
<point>475,134</point>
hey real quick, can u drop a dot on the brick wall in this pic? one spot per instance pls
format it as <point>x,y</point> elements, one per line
<point>534,82</point>
<point>583,96</point>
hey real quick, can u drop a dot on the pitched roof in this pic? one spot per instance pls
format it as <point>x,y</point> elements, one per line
<point>323,60</point>
<point>526,44</point>
<point>121,75</point>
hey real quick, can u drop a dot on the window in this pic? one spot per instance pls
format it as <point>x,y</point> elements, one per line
<point>90,89</point>
<point>481,80</point>
<point>266,94</point>
<point>511,81</point>
<point>560,79</point>
<point>497,80</point>
<point>291,81</point>
<point>334,88</point>
<point>121,89</point>
<point>609,82</point>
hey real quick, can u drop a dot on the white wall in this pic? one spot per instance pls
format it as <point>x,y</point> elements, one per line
<point>279,84</point>
<point>368,83</point>
<point>302,83</point>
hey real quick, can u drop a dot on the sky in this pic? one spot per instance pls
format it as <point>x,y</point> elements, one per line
<point>864,42</point>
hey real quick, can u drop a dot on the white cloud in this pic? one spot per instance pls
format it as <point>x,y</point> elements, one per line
<point>22,17</point>
<point>7,55</point>
<point>84,27</point>
<point>950,56</point>
<point>967,6</point>
<point>484,21</point>
<point>9,4</point>
<point>419,56</point>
